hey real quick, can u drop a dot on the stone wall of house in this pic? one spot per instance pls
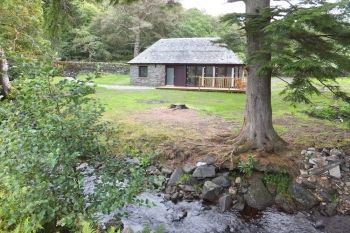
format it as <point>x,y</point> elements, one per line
<point>156,76</point>
<point>73,68</point>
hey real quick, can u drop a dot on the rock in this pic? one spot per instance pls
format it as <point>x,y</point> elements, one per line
<point>257,195</point>
<point>238,204</point>
<point>347,184</point>
<point>311,149</point>
<point>238,180</point>
<point>204,172</point>
<point>133,161</point>
<point>285,203</point>
<point>271,188</point>
<point>180,215</point>
<point>336,152</point>
<point>310,153</point>
<point>335,172</point>
<point>312,179</point>
<point>225,202</point>
<point>166,170</point>
<point>199,164</point>
<point>158,181</point>
<point>319,225</point>
<point>188,168</point>
<point>222,181</point>
<point>319,162</point>
<point>175,177</point>
<point>127,230</point>
<point>331,209</point>
<point>303,173</point>
<point>210,191</point>
<point>303,196</point>
<point>333,158</point>
<point>152,170</point>
<point>325,152</point>
<point>170,189</point>
<point>303,152</point>
<point>210,160</point>
<point>187,188</point>
<point>232,191</point>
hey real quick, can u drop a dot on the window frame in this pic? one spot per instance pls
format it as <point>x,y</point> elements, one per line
<point>141,74</point>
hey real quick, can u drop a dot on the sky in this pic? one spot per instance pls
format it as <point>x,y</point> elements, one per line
<point>221,7</point>
<point>214,7</point>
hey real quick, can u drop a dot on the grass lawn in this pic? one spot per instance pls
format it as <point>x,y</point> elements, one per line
<point>109,79</point>
<point>121,105</point>
<point>227,105</point>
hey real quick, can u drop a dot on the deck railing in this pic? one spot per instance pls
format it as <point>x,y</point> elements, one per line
<point>222,82</point>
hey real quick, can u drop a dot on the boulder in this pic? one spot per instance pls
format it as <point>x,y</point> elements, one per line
<point>257,195</point>
<point>222,181</point>
<point>203,172</point>
<point>175,177</point>
<point>239,203</point>
<point>211,191</point>
<point>188,168</point>
<point>336,152</point>
<point>285,203</point>
<point>331,209</point>
<point>225,202</point>
<point>302,196</point>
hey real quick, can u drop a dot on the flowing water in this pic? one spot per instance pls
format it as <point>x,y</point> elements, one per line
<point>194,217</point>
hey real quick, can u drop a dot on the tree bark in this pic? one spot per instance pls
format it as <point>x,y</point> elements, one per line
<point>137,31</point>
<point>257,131</point>
<point>4,76</point>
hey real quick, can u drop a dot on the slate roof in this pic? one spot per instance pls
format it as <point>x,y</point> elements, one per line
<point>187,51</point>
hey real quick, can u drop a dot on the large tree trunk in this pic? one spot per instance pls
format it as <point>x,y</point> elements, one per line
<point>137,31</point>
<point>258,132</point>
<point>5,80</point>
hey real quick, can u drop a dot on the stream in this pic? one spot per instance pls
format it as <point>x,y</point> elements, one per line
<point>194,217</point>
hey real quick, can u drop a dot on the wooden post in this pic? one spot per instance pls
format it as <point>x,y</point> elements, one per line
<point>203,76</point>
<point>233,77</point>
<point>213,82</point>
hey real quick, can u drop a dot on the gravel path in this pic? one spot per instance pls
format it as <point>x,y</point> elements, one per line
<point>120,87</point>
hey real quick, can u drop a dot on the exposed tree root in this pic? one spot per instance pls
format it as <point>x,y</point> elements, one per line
<point>247,141</point>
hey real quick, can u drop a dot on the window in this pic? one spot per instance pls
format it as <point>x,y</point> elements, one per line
<point>143,71</point>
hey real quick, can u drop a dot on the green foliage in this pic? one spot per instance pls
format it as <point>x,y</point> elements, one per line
<point>21,27</point>
<point>45,132</point>
<point>87,227</point>
<point>332,112</point>
<point>194,23</point>
<point>184,178</point>
<point>280,180</point>
<point>247,167</point>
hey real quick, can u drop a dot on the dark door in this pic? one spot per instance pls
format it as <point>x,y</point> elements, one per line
<point>180,76</point>
<point>176,75</point>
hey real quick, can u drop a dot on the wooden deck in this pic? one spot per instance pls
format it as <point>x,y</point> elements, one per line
<point>205,89</point>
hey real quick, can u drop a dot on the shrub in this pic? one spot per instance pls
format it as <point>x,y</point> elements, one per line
<point>247,167</point>
<point>46,130</point>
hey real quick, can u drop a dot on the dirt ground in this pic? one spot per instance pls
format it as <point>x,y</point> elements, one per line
<point>198,135</point>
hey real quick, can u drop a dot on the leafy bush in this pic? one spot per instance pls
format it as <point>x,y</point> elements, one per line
<point>247,167</point>
<point>46,131</point>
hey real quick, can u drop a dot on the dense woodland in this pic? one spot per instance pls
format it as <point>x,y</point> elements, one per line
<point>48,128</point>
